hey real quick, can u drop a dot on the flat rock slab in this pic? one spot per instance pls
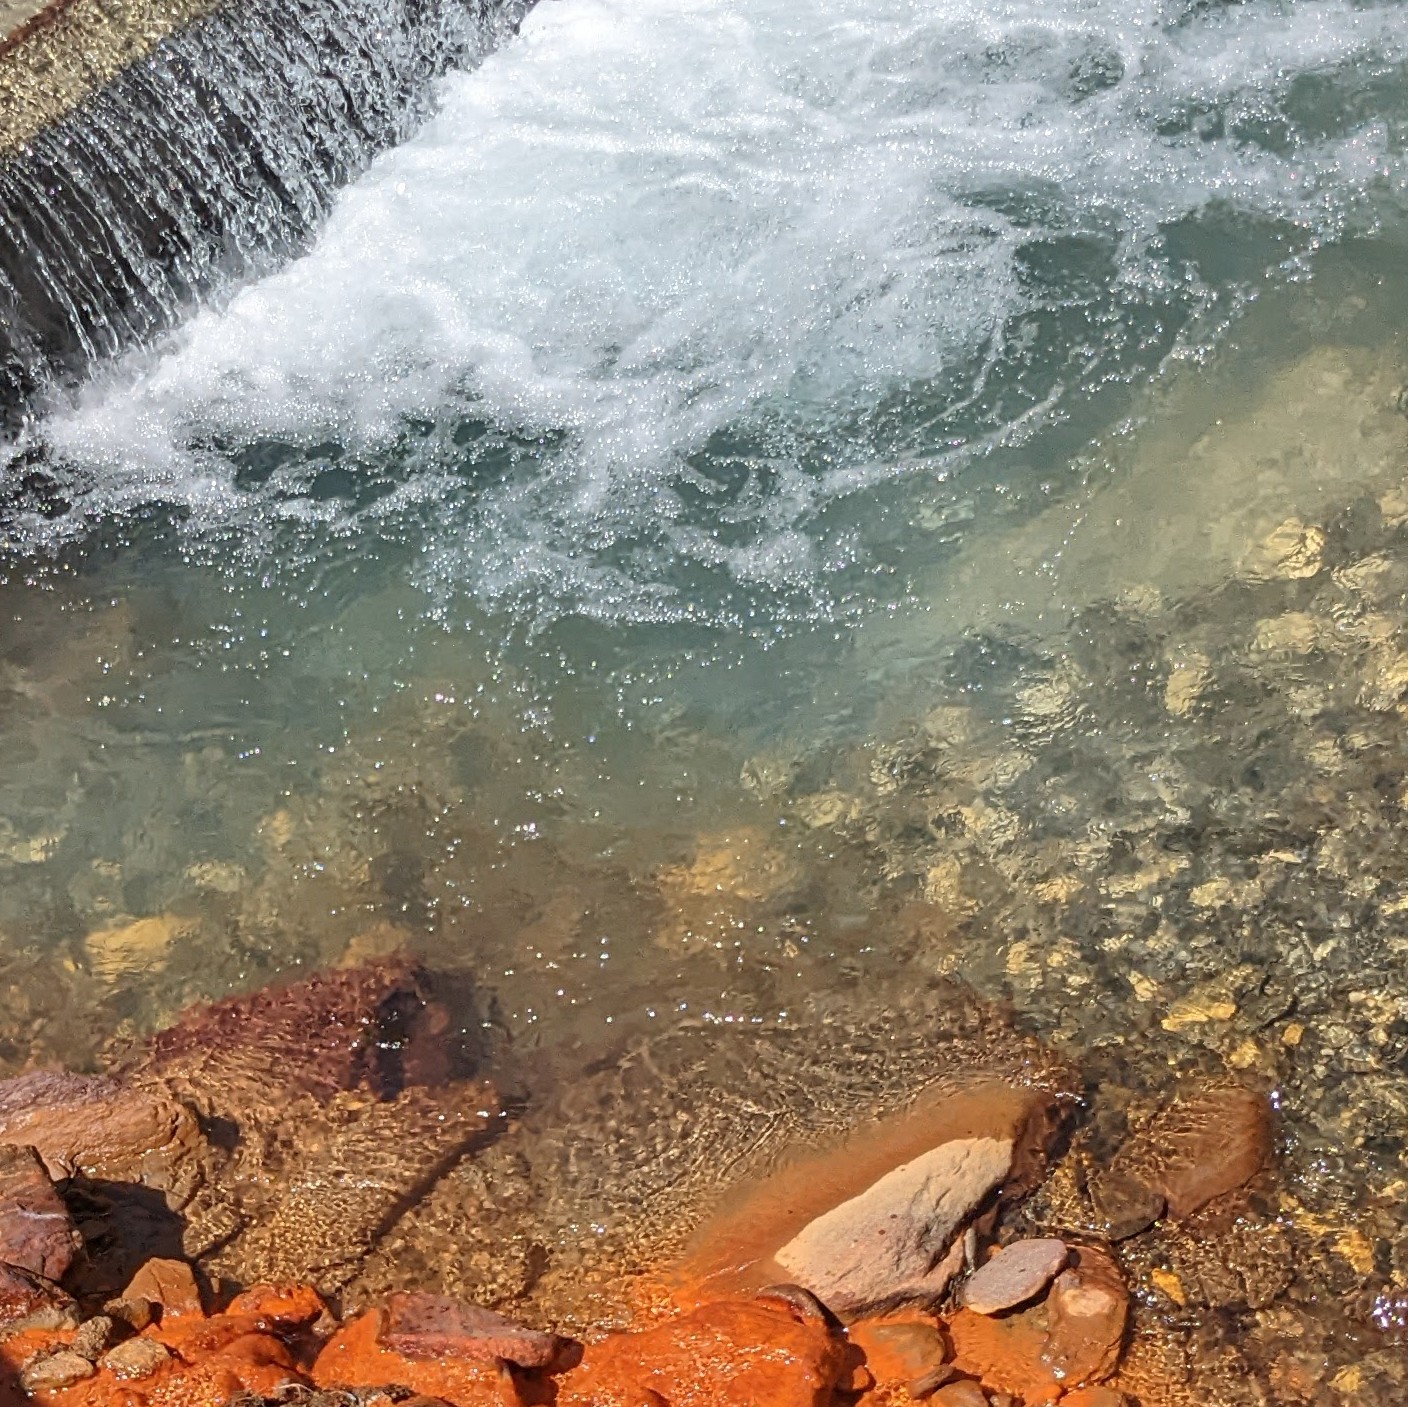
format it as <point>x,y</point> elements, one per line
<point>1014,1275</point>
<point>438,1326</point>
<point>36,1232</point>
<point>891,1242</point>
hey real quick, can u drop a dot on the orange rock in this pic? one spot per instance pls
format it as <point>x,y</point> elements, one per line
<point>171,1284</point>
<point>733,1353</point>
<point>279,1304</point>
<point>354,1357</point>
<point>1005,1351</point>
<point>910,1353</point>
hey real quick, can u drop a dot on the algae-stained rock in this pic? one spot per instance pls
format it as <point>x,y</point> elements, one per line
<point>36,1231</point>
<point>29,1299</point>
<point>1209,1141</point>
<point>104,1128</point>
<point>422,1325</point>
<point>1017,1273</point>
<point>373,1027</point>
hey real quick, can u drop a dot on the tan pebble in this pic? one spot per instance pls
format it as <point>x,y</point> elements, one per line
<point>1169,1284</point>
<point>1293,1035</point>
<point>1357,1249</point>
<point>1294,633</point>
<point>54,1371</point>
<point>133,947</point>
<point>137,1358</point>
<point>1245,1056</point>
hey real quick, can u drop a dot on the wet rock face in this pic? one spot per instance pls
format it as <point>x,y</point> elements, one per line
<point>881,1222</point>
<point>27,1298</point>
<point>103,1128</point>
<point>36,1231</point>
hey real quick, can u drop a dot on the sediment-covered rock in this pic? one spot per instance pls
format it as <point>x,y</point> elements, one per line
<point>1207,1142</point>
<point>881,1223</point>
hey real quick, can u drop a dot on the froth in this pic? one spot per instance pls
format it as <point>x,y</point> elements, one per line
<point>625,308</point>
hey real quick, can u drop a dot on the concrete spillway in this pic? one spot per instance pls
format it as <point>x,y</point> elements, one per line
<point>152,150</point>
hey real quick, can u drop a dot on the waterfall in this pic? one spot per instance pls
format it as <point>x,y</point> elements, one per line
<point>206,163</point>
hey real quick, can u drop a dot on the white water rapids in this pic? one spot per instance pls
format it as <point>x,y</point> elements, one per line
<point>703,271</point>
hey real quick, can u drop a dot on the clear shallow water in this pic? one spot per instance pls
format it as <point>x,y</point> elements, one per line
<point>565,566</point>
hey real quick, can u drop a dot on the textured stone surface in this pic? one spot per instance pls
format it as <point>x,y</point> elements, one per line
<point>733,1353</point>
<point>890,1243</point>
<point>1017,1273</point>
<point>36,1231</point>
<point>168,1285</point>
<point>29,1298</point>
<point>1087,1315</point>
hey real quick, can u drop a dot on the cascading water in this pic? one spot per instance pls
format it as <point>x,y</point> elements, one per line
<point>206,163</point>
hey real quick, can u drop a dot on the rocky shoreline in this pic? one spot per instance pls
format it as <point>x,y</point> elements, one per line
<point>197,1224</point>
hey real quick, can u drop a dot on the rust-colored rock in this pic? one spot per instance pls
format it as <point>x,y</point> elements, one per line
<point>1087,1314</point>
<point>373,1028</point>
<point>1209,1141</point>
<point>167,1284</point>
<point>356,1357</point>
<point>436,1326</point>
<point>1005,1351</point>
<point>908,1353</point>
<point>877,1224</point>
<point>36,1231</point>
<point>732,1353</point>
<point>102,1127</point>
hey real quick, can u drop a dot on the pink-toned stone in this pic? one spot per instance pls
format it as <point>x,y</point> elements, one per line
<point>1014,1275</point>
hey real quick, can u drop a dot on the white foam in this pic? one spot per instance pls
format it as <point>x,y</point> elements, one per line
<point>646,222</point>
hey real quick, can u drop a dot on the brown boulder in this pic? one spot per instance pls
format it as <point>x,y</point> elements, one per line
<point>36,1231</point>
<point>434,1326</point>
<point>1087,1315</point>
<point>104,1128</point>
<point>167,1285</point>
<point>1209,1141</point>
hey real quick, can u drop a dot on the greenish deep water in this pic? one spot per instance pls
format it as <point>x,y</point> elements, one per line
<point>750,503</point>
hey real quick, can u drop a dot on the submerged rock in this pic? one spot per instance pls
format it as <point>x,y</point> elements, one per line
<point>36,1231</point>
<point>421,1325</point>
<point>1087,1316</point>
<point>1209,1141</point>
<point>107,1129</point>
<point>29,1300</point>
